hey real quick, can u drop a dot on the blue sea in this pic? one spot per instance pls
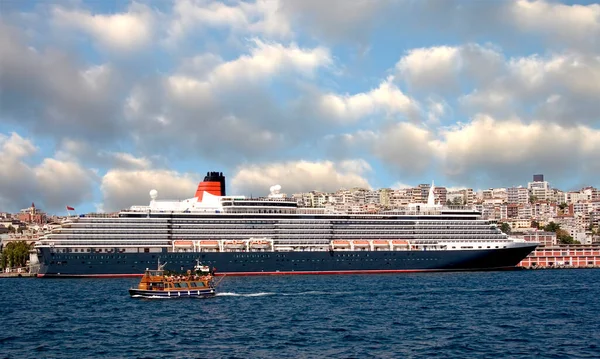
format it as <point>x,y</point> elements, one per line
<point>517,314</point>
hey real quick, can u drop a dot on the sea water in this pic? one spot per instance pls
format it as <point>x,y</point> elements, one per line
<point>517,314</point>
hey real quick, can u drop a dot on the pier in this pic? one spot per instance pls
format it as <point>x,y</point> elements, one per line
<point>23,272</point>
<point>563,257</point>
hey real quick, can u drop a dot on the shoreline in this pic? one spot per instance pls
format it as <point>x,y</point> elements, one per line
<point>34,275</point>
<point>17,275</point>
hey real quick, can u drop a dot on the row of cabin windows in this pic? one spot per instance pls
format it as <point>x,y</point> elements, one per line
<point>336,260</point>
<point>185,285</point>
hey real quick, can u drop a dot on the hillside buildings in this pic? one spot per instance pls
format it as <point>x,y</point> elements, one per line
<point>522,208</point>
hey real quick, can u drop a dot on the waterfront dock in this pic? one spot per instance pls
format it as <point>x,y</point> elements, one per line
<point>17,275</point>
<point>22,272</point>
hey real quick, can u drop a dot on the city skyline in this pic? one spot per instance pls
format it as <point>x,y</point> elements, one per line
<point>102,101</point>
<point>479,196</point>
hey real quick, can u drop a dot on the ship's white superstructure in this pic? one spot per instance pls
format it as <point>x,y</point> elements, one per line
<point>216,221</point>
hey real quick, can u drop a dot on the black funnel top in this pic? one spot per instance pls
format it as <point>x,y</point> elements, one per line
<point>216,177</point>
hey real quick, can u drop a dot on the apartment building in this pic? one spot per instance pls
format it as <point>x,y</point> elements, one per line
<point>517,195</point>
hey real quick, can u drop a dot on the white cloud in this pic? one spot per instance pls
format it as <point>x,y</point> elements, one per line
<point>52,183</point>
<point>503,151</point>
<point>577,25</point>
<point>299,176</point>
<point>210,102</point>
<point>71,150</point>
<point>489,101</point>
<point>404,147</point>
<point>562,88</point>
<point>48,91</point>
<point>437,111</point>
<point>359,167</point>
<point>443,69</point>
<point>127,160</point>
<point>263,61</point>
<point>430,66</point>
<point>266,59</point>
<point>124,188</point>
<point>16,147</point>
<point>336,19</point>
<point>259,17</point>
<point>387,98</point>
<point>400,185</point>
<point>123,31</point>
<point>268,19</point>
<point>63,183</point>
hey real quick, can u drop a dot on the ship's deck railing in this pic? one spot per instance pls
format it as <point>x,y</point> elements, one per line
<point>79,244</point>
<point>263,199</point>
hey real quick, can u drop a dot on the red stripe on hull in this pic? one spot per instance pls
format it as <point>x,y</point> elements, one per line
<point>244,274</point>
<point>366,271</point>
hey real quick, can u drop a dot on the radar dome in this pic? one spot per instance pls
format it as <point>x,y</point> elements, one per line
<point>153,194</point>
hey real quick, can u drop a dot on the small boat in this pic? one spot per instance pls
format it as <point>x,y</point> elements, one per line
<point>262,243</point>
<point>340,244</point>
<point>156,284</point>
<point>234,244</point>
<point>381,243</point>
<point>360,244</point>
<point>180,243</point>
<point>208,244</point>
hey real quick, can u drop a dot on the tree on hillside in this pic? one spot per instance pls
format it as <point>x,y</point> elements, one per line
<point>11,229</point>
<point>562,206</point>
<point>564,237</point>
<point>457,201</point>
<point>505,228</point>
<point>552,227</point>
<point>532,199</point>
<point>535,224</point>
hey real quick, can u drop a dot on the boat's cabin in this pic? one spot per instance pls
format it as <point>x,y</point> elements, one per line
<point>157,280</point>
<point>184,285</point>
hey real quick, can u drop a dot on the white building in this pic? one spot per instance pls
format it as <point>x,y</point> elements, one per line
<point>517,195</point>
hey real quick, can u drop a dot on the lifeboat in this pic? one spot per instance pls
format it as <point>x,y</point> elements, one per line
<point>361,244</point>
<point>341,244</point>
<point>399,243</point>
<point>183,243</point>
<point>208,244</point>
<point>235,244</point>
<point>380,243</point>
<point>260,243</point>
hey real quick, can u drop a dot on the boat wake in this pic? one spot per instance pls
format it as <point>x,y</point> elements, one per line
<point>232,294</point>
<point>316,292</point>
<point>264,294</point>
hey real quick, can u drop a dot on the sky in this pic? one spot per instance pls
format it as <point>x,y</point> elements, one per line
<point>102,101</point>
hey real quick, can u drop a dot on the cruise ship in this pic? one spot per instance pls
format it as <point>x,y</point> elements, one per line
<point>237,235</point>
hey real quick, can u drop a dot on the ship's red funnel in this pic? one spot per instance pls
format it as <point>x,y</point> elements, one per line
<point>214,183</point>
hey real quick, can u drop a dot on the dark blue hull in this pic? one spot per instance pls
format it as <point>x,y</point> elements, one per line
<point>266,263</point>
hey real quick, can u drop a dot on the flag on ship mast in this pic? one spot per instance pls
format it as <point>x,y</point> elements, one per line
<point>69,208</point>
